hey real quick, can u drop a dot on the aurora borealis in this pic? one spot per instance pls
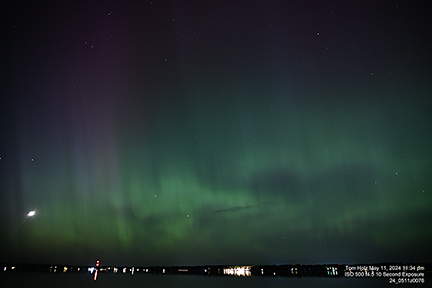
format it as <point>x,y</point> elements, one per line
<point>209,132</point>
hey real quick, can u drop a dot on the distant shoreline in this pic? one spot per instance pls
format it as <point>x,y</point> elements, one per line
<point>287,270</point>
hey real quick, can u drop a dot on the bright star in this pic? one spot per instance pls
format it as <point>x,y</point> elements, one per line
<point>31,213</point>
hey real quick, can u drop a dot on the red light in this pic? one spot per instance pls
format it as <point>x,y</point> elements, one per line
<point>96,271</point>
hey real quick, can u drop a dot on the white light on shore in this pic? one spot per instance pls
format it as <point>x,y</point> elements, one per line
<point>31,213</point>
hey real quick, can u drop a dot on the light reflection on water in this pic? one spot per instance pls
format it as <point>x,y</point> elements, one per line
<point>50,280</point>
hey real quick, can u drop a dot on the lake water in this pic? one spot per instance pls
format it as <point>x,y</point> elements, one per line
<point>48,280</point>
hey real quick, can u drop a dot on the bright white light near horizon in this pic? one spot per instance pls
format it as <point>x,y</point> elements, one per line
<point>31,213</point>
<point>239,271</point>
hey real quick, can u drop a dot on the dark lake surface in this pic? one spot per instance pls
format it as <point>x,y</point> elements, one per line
<point>48,280</point>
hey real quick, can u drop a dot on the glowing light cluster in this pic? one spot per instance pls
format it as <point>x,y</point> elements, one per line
<point>238,271</point>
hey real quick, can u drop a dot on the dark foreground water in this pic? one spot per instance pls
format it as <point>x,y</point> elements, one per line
<point>48,280</point>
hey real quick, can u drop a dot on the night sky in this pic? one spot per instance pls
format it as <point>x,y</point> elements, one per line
<point>215,132</point>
